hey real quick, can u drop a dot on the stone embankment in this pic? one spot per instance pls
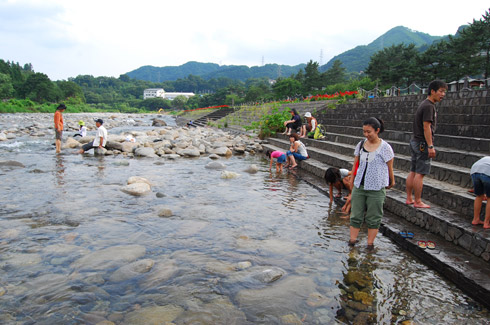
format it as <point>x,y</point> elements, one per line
<point>462,137</point>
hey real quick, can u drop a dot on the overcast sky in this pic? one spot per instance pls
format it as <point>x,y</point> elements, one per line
<point>66,38</point>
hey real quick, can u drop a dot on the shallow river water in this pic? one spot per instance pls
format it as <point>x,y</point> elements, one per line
<point>261,248</point>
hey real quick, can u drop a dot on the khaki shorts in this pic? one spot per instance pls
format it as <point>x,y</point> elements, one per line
<point>420,157</point>
<point>58,134</point>
<point>367,206</point>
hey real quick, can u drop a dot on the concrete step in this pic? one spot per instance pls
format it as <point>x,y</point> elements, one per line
<point>448,141</point>
<point>444,155</point>
<point>475,131</point>
<point>454,197</point>
<point>393,117</point>
<point>456,175</point>
<point>454,227</point>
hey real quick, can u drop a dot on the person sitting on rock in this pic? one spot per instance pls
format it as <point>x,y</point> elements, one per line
<point>83,130</point>
<point>480,175</point>
<point>339,178</point>
<point>310,126</point>
<point>278,156</point>
<point>100,140</point>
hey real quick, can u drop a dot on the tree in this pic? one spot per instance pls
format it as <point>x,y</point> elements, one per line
<point>287,87</point>
<point>394,65</point>
<point>313,80</point>
<point>38,87</point>
<point>335,75</point>
<point>179,102</point>
<point>71,89</point>
<point>6,87</point>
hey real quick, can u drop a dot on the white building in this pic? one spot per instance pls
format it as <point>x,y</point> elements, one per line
<point>153,92</point>
<point>159,92</point>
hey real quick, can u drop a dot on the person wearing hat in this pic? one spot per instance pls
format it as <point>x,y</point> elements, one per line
<point>309,127</point>
<point>83,130</point>
<point>100,138</point>
<point>58,125</point>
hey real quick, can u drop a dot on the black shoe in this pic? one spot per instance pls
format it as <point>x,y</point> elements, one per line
<point>353,243</point>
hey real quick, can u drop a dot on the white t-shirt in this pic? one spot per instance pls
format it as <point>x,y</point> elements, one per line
<point>101,132</point>
<point>482,166</point>
<point>343,173</point>
<point>83,131</point>
<point>377,176</point>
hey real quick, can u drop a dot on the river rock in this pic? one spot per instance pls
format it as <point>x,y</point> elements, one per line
<point>136,189</point>
<point>244,265</point>
<point>11,136</point>
<point>190,152</point>
<point>132,270</point>
<point>252,169</point>
<point>3,136</point>
<point>109,257</point>
<point>223,151</point>
<point>172,156</point>
<point>100,151</point>
<point>279,297</point>
<point>153,315</point>
<point>165,213</point>
<point>129,146</point>
<point>11,163</point>
<point>213,156</point>
<point>159,274</point>
<point>229,175</point>
<point>269,274</point>
<point>158,122</point>
<point>215,165</point>
<point>113,145</point>
<point>145,152</point>
<point>138,179</point>
<point>71,143</point>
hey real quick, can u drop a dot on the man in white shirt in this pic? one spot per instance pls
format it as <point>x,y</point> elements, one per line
<point>100,138</point>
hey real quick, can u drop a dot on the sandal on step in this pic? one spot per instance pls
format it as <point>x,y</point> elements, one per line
<point>431,244</point>
<point>422,244</point>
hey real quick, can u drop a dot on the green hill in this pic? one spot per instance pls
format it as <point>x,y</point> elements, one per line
<point>357,59</point>
<point>212,71</point>
<point>354,60</point>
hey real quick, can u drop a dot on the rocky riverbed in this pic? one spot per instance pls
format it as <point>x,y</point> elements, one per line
<point>195,230</point>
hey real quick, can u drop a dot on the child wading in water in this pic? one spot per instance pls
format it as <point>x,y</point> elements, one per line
<point>339,178</point>
<point>277,156</point>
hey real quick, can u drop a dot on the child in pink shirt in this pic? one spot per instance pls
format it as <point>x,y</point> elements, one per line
<point>277,156</point>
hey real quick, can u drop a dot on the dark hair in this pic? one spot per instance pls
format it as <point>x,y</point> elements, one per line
<point>61,106</point>
<point>268,153</point>
<point>435,85</point>
<point>295,136</point>
<point>332,175</point>
<point>376,123</point>
<point>294,111</point>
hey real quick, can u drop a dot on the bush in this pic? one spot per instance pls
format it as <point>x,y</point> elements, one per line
<point>270,124</point>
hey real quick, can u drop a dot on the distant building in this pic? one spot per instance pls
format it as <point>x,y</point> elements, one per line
<point>153,92</point>
<point>159,92</point>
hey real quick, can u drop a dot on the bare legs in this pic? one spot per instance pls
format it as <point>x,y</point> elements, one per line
<point>58,146</point>
<point>354,232</point>
<point>415,183</point>
<point>476,213</point>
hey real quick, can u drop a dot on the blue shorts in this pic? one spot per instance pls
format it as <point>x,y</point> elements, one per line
<point>281,159</point>
<point>481,184</point>
<point>296,155</point>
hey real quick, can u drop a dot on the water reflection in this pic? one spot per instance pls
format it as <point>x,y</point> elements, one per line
<point>59,170</point>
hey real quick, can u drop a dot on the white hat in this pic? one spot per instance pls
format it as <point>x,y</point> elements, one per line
<point>308,114</point>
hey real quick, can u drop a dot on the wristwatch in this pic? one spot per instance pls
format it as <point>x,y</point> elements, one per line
<point>430,147</point>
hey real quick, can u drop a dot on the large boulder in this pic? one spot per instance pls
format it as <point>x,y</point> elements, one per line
<point>145,152</point>
<point>158,122</point>
<point>223,151</point>
<point>71,143</point>
<point>3,137</point>
<point>190,152</point>
<point>129,146</point>
<point>113,145</point>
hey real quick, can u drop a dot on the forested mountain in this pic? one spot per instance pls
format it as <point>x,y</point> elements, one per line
<point>209,71</point>
<point>357,59</point>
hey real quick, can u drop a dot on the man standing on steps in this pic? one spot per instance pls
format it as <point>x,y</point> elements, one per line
<point>422,143</point>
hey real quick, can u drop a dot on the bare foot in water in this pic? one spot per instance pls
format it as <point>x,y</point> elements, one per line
<point>476,223</point>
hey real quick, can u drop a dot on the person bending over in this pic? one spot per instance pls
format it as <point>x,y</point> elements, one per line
<point>278,157</point>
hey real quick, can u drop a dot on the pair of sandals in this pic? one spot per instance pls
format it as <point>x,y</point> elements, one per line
<point>426,244</point>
